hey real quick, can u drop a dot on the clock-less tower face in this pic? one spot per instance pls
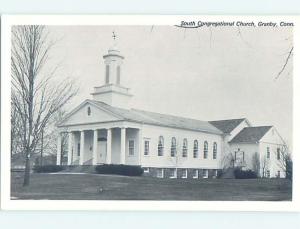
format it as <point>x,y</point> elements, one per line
<point>113,62</point>
<point>112,92</point>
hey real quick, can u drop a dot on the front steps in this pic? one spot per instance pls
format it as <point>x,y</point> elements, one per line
<point>79,169</point>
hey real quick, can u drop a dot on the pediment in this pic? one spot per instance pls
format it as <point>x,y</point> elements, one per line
<point>87,113</point>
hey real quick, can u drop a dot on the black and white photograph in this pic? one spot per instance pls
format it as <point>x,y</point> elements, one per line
<point>188,111</point>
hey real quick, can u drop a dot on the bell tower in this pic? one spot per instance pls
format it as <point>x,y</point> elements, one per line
<point>112,92</point>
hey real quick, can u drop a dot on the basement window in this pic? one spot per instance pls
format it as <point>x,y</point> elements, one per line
<point>205,173</point>
<point>195,173</point>
<point>173,173</point>
<point>160,173</point>
<point>146,170</point>
<point>184,173</point>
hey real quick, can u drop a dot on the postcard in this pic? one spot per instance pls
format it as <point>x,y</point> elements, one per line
<point>180,113</point>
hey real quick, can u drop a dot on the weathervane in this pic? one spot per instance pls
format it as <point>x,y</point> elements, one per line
<point>114,35</point>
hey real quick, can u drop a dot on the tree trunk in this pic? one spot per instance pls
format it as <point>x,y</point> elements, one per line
<point>42,148</point>
<point>27,170</point>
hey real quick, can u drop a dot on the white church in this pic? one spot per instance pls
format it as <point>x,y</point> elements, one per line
<point>108,130</point>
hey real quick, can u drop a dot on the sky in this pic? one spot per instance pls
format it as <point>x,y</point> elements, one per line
<point>206,74</point>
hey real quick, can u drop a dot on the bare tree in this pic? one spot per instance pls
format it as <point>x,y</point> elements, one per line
<point>227,161</point>
<point>35,95</point>
<point>285,161</point>
<point>264,166</point>
<point>16,131</point>
<point>48,144</point>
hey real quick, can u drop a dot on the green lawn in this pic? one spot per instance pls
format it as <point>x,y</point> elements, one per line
<point>110,187</point>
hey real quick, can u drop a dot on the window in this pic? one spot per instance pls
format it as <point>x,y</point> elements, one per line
<point>160,173</point>
<point>131,147</point>
<point>107,74</point>
<point>278,153</point>
<point>146,170</point>
<point>278,174</point>
<point>195,151</point>
<point>205,150</point>
<point>173,173</point>
<point>195,173</point>
<point>205,173</point>
<point>184,173</point>
<point>268,173</point>
<point>78,149</point>
<point>215,173</point>
<point>118,74</point>
<point>184,148</point>
<point>89,111</point>
<point>268,152</point>
<point>160,147</point>
<point>146,147</point>
<point>173,147</point>
<point>215,148</point>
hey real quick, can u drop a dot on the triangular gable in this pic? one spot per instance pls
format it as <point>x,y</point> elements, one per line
<point>273,136</point>
<point>80,115</point>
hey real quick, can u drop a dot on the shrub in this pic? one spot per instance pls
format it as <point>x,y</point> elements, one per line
<point>48,168</point>
<point>127,170</point>
<point>244,174</point>
<point>220,173</point>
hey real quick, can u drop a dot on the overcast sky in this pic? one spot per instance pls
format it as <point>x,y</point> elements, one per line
<point>197,73</point>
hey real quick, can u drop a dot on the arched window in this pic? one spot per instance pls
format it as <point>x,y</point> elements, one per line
<point>89,111</point>
<point>118,74</point>
<point>184,148</point>
<point>195,151</point>
<point>160,147</point>
<point>107,74</point>
<point>173,147</point>
<point>205,150</point>
<point>215,148</point>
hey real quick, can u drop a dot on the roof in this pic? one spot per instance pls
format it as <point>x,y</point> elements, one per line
<point>226,126</point>
<point>153,118</point>
<point>251,134</point>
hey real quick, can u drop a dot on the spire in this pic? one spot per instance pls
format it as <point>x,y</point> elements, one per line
<point>114,49</point>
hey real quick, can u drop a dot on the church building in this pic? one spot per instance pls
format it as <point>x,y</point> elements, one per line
<point>108,130</point>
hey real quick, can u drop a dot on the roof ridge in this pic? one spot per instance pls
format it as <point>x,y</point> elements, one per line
<point>257,126</point>
<point>175,116</point>
<point>227,119</point>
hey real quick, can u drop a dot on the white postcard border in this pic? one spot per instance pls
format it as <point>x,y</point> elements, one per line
<point>8,204</point>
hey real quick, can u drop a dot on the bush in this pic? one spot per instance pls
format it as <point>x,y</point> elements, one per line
<point>244,174</point>
<point>127,170</point>
<point>47,168</point>
<point>220,174</point>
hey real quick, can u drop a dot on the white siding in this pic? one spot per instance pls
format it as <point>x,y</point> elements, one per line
<point>152,133</point>
<point>249,151</point>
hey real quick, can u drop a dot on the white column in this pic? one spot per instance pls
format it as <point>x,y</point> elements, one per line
<point>141,146</point>
<point>95,148</point>
<point>70,144</point>
<point>81,159</point>
<point>108,147</point>
<point>58,155</point>
<point>123,146</point>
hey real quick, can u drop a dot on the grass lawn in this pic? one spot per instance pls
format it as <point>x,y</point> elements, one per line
<point>111,187</point>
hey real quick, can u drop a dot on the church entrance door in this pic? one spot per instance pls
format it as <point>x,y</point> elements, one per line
<point>102,150</point>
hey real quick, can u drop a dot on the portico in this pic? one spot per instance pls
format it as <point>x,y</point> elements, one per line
<point>109,145</point>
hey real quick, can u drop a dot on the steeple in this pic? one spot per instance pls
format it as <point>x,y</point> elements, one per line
<point>112,93</point>
<point>113,61</point>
